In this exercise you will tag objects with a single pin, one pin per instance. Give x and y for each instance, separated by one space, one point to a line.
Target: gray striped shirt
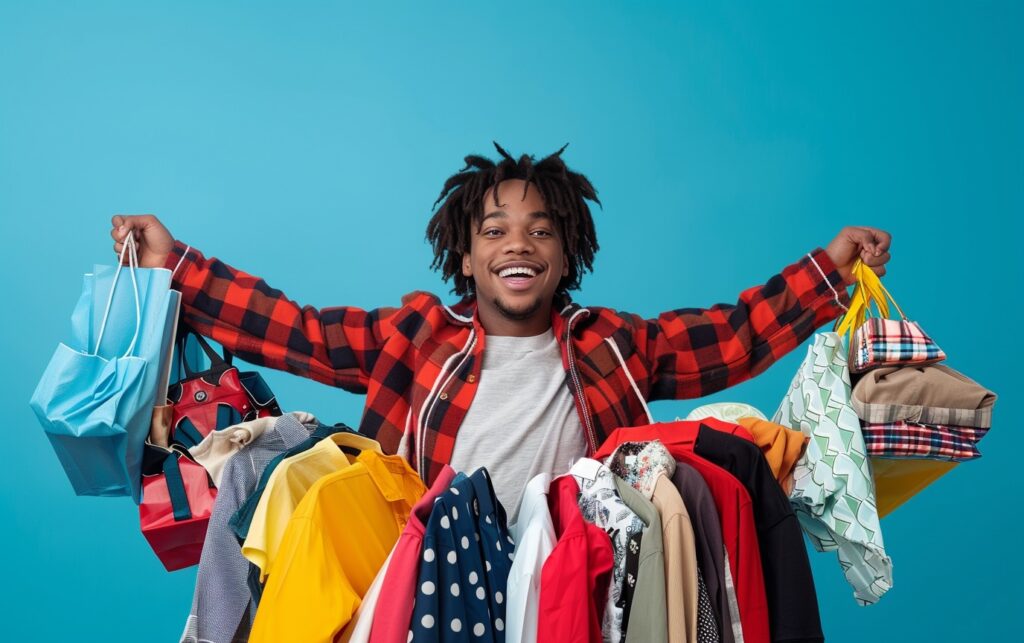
220 605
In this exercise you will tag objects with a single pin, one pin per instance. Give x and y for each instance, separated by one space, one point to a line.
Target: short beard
517 315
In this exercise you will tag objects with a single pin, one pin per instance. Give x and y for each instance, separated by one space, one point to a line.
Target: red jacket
419 364
576 574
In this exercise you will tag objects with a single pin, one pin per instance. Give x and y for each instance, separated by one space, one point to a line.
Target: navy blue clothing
464 567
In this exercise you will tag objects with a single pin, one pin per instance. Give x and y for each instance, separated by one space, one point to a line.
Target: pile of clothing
678 532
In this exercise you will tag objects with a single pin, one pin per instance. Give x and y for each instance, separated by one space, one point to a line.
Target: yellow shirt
289 482
336 541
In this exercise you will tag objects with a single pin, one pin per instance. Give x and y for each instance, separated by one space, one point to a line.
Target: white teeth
517 271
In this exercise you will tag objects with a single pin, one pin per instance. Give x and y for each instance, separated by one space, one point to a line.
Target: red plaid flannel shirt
419 364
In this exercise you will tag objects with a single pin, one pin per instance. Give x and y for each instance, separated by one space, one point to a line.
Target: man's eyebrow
501 214
497 214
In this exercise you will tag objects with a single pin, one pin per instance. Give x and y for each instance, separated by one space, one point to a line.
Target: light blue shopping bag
96 397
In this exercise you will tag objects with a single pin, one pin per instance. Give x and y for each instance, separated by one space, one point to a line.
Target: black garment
792 601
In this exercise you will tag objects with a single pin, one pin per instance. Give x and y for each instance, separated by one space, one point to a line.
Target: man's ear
565 265
467 265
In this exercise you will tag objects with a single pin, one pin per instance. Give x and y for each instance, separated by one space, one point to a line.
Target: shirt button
443 396
471 378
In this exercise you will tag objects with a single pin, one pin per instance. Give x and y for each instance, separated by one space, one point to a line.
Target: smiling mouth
518 277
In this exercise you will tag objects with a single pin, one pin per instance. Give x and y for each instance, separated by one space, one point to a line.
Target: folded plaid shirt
928 441
419 364
887 342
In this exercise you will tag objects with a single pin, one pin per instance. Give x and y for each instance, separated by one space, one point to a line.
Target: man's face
515 257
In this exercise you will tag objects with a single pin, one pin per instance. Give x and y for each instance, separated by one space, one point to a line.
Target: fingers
875 241
873 261
120 234
152 240
883 240
865 240
121 224
874 247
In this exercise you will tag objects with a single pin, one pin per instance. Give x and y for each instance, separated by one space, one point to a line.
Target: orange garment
781 447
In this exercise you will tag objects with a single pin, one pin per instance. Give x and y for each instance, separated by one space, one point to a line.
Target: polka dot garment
707 626
467 554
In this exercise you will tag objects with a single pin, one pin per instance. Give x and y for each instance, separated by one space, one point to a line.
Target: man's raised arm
694 352
257 323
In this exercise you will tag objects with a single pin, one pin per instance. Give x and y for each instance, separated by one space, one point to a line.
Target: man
515 377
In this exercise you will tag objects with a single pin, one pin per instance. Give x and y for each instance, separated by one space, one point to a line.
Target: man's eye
542 233
491 232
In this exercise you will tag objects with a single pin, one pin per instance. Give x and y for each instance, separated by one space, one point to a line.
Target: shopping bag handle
133 264
176 488
869 290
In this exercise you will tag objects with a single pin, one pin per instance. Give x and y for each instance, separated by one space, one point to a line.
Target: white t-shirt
522 421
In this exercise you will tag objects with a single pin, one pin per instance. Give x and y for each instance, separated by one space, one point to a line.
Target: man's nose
518 242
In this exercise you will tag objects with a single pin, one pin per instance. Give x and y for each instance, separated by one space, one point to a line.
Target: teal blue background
306 142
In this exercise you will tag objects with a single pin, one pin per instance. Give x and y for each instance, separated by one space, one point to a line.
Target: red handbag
177 500
216 398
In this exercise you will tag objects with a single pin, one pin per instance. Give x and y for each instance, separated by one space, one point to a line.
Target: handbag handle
186 434
133 264
869 290
176 488
216 361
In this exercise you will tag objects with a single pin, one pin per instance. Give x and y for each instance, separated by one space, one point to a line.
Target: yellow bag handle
869 290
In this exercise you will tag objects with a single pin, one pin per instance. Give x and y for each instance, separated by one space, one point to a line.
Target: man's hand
870 245
152 240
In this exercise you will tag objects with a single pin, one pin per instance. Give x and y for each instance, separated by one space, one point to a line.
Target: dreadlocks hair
565 194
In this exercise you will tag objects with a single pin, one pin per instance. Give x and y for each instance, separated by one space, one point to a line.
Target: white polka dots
409 638
454 490
474 542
